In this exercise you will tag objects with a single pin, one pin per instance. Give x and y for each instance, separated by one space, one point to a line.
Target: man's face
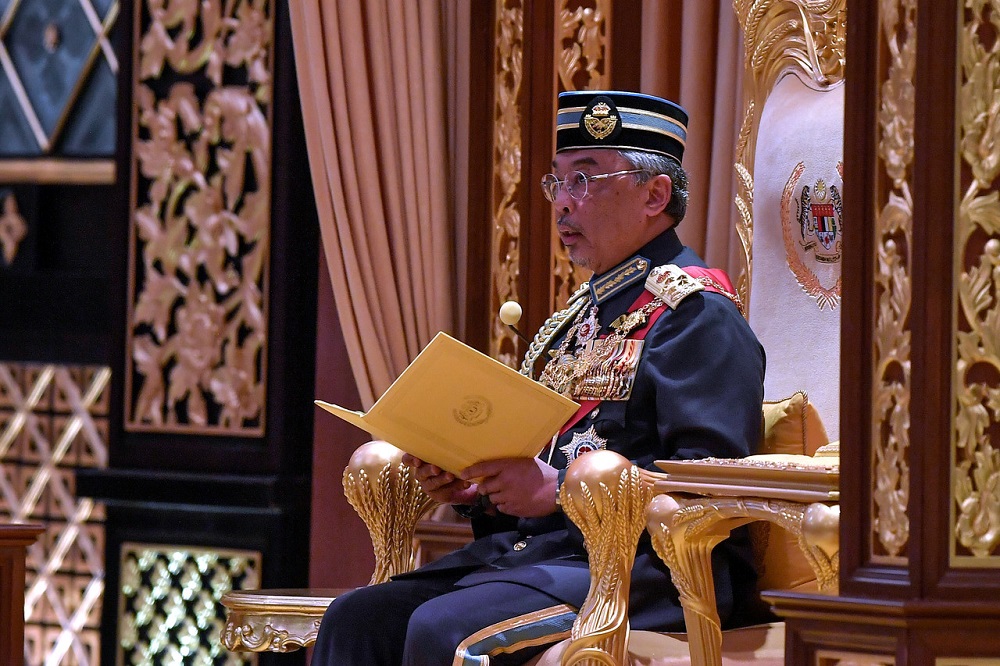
609 224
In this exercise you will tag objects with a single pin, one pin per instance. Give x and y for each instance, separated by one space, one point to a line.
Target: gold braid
552 328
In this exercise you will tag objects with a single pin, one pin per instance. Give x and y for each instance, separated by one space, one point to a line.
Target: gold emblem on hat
600 122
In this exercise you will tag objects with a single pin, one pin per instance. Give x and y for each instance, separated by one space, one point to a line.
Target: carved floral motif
582 49
976 406
201 216
892 288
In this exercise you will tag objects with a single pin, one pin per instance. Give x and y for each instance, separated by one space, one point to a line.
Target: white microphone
510 314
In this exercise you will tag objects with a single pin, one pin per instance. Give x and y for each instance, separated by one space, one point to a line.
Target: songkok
623 120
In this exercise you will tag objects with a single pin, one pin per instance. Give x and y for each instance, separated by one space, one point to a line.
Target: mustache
563 224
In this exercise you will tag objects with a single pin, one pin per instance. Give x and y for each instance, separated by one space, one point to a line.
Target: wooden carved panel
975 519
583 62
505 249
890 429
200 225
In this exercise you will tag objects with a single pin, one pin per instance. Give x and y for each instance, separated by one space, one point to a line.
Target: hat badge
600 122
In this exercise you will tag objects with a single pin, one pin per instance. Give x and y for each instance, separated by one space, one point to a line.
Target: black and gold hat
625 120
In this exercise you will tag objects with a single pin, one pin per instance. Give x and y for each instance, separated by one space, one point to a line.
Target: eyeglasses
575 183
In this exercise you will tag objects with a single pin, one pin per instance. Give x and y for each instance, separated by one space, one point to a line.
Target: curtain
692 53
371 77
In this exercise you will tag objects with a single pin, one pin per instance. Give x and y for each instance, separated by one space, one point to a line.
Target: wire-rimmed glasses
575 183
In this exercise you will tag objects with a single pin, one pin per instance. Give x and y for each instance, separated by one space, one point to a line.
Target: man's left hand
523 487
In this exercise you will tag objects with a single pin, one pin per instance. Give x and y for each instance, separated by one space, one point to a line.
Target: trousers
429 621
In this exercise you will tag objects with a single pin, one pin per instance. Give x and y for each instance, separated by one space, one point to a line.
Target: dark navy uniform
697 392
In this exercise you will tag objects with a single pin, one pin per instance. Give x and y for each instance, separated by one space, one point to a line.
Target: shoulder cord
552 327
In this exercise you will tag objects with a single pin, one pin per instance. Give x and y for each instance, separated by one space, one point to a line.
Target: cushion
792 426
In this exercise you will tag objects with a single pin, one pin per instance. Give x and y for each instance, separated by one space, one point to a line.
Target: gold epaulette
553 327
672 284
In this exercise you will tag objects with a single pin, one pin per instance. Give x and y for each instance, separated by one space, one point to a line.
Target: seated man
680 377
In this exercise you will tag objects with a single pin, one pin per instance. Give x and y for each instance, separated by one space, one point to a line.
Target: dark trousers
421 622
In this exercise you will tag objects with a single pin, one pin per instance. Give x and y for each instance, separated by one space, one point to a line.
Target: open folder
454 406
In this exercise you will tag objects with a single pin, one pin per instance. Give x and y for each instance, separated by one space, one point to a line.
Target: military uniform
697 392
663 372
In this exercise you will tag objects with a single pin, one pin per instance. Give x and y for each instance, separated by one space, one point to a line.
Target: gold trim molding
505 249
200 219
975 406
804 36
892 289
58 171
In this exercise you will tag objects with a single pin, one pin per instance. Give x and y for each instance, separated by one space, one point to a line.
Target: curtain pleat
373 90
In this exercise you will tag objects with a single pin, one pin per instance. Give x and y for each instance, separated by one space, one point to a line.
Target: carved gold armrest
791 493
605 496
390 502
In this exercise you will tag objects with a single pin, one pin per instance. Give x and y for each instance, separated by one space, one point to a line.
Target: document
454 406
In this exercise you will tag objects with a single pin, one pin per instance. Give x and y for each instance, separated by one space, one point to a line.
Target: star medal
583 442
587 329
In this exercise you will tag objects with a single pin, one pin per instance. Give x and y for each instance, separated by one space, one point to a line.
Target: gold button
520 545
593 414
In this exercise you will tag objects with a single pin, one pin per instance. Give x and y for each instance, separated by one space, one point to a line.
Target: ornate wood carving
390 502
976 403
780 35
583 50
200 218
892 288
505 249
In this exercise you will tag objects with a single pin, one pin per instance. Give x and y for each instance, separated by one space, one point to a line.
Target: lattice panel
57 77
170 603
54 419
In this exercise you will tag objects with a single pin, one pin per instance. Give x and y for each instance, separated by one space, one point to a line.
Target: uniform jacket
698 392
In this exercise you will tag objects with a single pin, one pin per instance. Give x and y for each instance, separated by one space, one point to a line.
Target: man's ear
661 189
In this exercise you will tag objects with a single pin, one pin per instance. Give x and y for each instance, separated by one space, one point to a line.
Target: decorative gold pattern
685 530
976 402
606 496
505 249
375 478
892 290
170 603
13 228
273 620
53 420
201 217
583 51
780 35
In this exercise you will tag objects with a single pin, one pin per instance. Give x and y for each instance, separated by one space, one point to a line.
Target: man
680 377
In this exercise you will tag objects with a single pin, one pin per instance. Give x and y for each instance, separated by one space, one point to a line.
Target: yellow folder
454 406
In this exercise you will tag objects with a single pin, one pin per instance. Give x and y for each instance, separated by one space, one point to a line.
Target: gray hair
654 164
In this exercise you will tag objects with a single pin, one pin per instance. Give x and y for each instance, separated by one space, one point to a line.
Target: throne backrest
790 167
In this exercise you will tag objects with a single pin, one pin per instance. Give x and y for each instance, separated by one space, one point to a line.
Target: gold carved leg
688 553
605 495
390 501
820 541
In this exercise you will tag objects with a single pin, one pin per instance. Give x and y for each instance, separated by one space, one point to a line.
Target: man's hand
440 485
523 487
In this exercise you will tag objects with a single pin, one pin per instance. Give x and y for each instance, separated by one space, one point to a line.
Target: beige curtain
371 76
705 36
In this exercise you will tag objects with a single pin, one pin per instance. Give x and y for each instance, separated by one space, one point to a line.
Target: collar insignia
619 278
583 442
